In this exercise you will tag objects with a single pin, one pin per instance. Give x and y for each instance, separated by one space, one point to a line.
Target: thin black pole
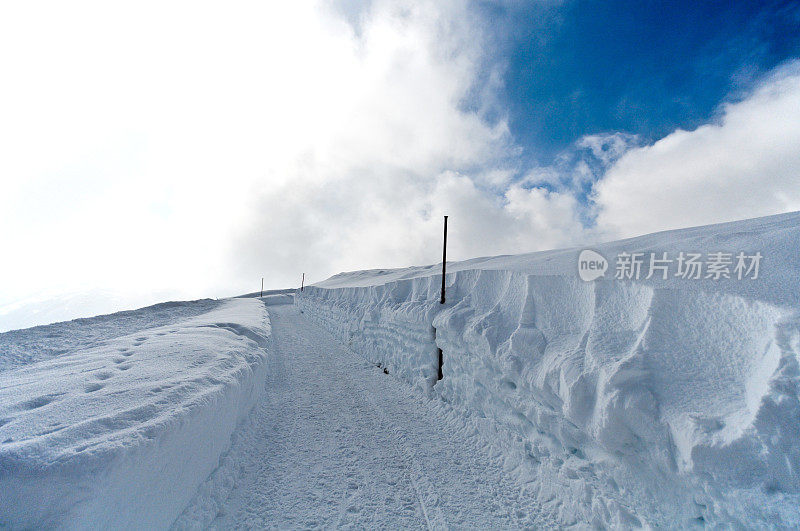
262 286
444 258
439 374
302 282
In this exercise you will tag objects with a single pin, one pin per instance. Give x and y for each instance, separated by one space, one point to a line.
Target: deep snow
335 442
608 403
29 345
672 400
120 433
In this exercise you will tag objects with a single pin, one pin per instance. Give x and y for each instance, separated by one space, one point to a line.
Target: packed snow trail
336 442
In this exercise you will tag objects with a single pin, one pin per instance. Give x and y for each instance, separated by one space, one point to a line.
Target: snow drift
108 430
634 402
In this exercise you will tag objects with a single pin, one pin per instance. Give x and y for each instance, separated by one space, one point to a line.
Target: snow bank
279 299
661 402
120 434
29 345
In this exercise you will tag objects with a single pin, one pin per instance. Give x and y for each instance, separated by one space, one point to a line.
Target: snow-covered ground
335 442
674 400
29 345
612 403
113 422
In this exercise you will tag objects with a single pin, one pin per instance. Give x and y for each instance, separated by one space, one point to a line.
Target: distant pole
444 258
302 282
262 286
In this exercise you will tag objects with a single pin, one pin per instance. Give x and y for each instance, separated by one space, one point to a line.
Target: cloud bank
373 191
745 165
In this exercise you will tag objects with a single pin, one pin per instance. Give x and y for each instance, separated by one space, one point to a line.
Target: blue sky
641 67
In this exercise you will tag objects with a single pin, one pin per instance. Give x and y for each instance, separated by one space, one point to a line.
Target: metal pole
439 374
262 286
444 258
302 282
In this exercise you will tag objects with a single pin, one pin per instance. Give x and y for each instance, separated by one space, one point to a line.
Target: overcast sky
157 150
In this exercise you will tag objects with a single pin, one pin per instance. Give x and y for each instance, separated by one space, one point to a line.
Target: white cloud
132 135
607 147
187 147
746 165
583 163
372 193
360 222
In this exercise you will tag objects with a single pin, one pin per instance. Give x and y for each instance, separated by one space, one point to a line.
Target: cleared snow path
336 442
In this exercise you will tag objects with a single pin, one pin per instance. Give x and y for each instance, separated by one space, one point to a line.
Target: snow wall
129 450
664 403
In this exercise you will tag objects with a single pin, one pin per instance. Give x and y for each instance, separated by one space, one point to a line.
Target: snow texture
125 415
663 403
336 443
652 402
22 347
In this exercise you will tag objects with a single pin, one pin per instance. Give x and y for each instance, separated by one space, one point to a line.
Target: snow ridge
643 403
128 420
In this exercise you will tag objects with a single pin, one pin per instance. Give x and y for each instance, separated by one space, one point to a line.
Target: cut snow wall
690 395
390 324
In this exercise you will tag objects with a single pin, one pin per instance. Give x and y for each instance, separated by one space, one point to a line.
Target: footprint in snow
51 429
91 388
103 375
39 401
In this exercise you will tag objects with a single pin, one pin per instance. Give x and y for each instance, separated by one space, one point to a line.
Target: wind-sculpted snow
652 402
120 434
